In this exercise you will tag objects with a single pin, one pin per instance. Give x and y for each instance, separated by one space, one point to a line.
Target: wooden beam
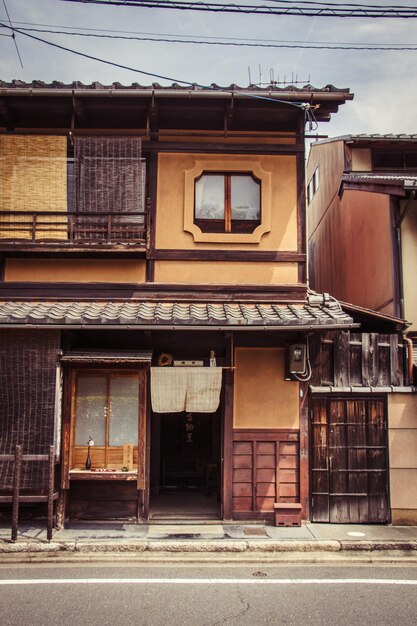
151 221
262 256
80 118
227 453
6 117
304 450
226 148
21 291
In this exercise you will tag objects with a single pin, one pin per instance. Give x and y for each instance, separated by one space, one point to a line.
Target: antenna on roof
276 82
13 35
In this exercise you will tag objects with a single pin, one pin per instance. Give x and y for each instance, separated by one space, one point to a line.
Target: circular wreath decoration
165 359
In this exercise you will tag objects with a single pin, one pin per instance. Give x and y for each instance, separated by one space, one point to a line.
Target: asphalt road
140 594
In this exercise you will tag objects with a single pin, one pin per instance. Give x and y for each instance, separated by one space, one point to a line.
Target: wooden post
228 445
16 490
304 451
51 482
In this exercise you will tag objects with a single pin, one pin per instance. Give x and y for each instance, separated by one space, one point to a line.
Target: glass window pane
124 410
91 410
387 159
209 197
411 159
246 200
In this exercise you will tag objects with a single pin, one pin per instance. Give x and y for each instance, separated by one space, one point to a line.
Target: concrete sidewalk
199 541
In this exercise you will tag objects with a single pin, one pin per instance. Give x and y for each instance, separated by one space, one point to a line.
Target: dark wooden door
349 461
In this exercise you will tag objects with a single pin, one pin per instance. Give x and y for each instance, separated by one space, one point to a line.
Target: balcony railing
73 229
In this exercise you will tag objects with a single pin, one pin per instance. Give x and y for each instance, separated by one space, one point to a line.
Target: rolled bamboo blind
33 175
109 174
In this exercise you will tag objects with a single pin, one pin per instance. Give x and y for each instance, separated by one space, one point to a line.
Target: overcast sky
383 82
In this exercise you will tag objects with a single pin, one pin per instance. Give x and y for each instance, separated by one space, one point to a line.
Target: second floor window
227 202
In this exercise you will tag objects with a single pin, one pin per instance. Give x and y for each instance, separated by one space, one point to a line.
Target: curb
205 547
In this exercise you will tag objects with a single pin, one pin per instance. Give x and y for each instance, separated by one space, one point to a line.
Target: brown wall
75 270
262 398
402 424
170 233
361 160
331 158
351 251
409 261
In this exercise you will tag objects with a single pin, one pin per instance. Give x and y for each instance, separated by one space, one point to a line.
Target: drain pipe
410 363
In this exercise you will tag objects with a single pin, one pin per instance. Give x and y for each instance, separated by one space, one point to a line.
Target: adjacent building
362 217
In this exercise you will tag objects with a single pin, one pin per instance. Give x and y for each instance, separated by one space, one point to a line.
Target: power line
336 10
13 37
301 105
284 44
217 38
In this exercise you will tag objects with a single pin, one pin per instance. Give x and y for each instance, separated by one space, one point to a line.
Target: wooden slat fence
346 359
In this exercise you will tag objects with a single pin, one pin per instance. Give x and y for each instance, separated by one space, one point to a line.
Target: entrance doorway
185 466
349 461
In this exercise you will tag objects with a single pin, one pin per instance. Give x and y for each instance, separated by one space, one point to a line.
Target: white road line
207 581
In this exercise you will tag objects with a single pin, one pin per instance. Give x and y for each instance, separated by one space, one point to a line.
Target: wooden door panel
349 464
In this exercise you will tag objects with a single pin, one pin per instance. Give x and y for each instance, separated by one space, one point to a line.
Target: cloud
382 82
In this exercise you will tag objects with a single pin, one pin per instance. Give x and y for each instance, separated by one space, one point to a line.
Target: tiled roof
388 177
386 137
371 138
170 314
39 84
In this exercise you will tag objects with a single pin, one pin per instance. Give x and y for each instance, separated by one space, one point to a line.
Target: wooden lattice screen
109 176
27 402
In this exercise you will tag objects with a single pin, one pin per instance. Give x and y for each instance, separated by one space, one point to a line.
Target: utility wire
289 44
301 105
13 36
140 34
299 11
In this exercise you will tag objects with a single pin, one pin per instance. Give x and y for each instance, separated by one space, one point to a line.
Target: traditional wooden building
362 216
157 332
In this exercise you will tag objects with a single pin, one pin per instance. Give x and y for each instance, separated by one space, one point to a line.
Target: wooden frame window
394 159
108 406
227 202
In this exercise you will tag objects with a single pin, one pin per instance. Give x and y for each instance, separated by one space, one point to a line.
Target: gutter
178 327
302 96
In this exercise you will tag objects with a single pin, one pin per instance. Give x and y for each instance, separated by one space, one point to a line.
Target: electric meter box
297 358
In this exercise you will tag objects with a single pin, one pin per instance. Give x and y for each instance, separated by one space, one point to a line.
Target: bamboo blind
109 174
33 175
27 401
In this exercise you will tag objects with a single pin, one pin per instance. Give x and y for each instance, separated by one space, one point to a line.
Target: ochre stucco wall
409 260
262 398
170 233
226 272
75 270
402 425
